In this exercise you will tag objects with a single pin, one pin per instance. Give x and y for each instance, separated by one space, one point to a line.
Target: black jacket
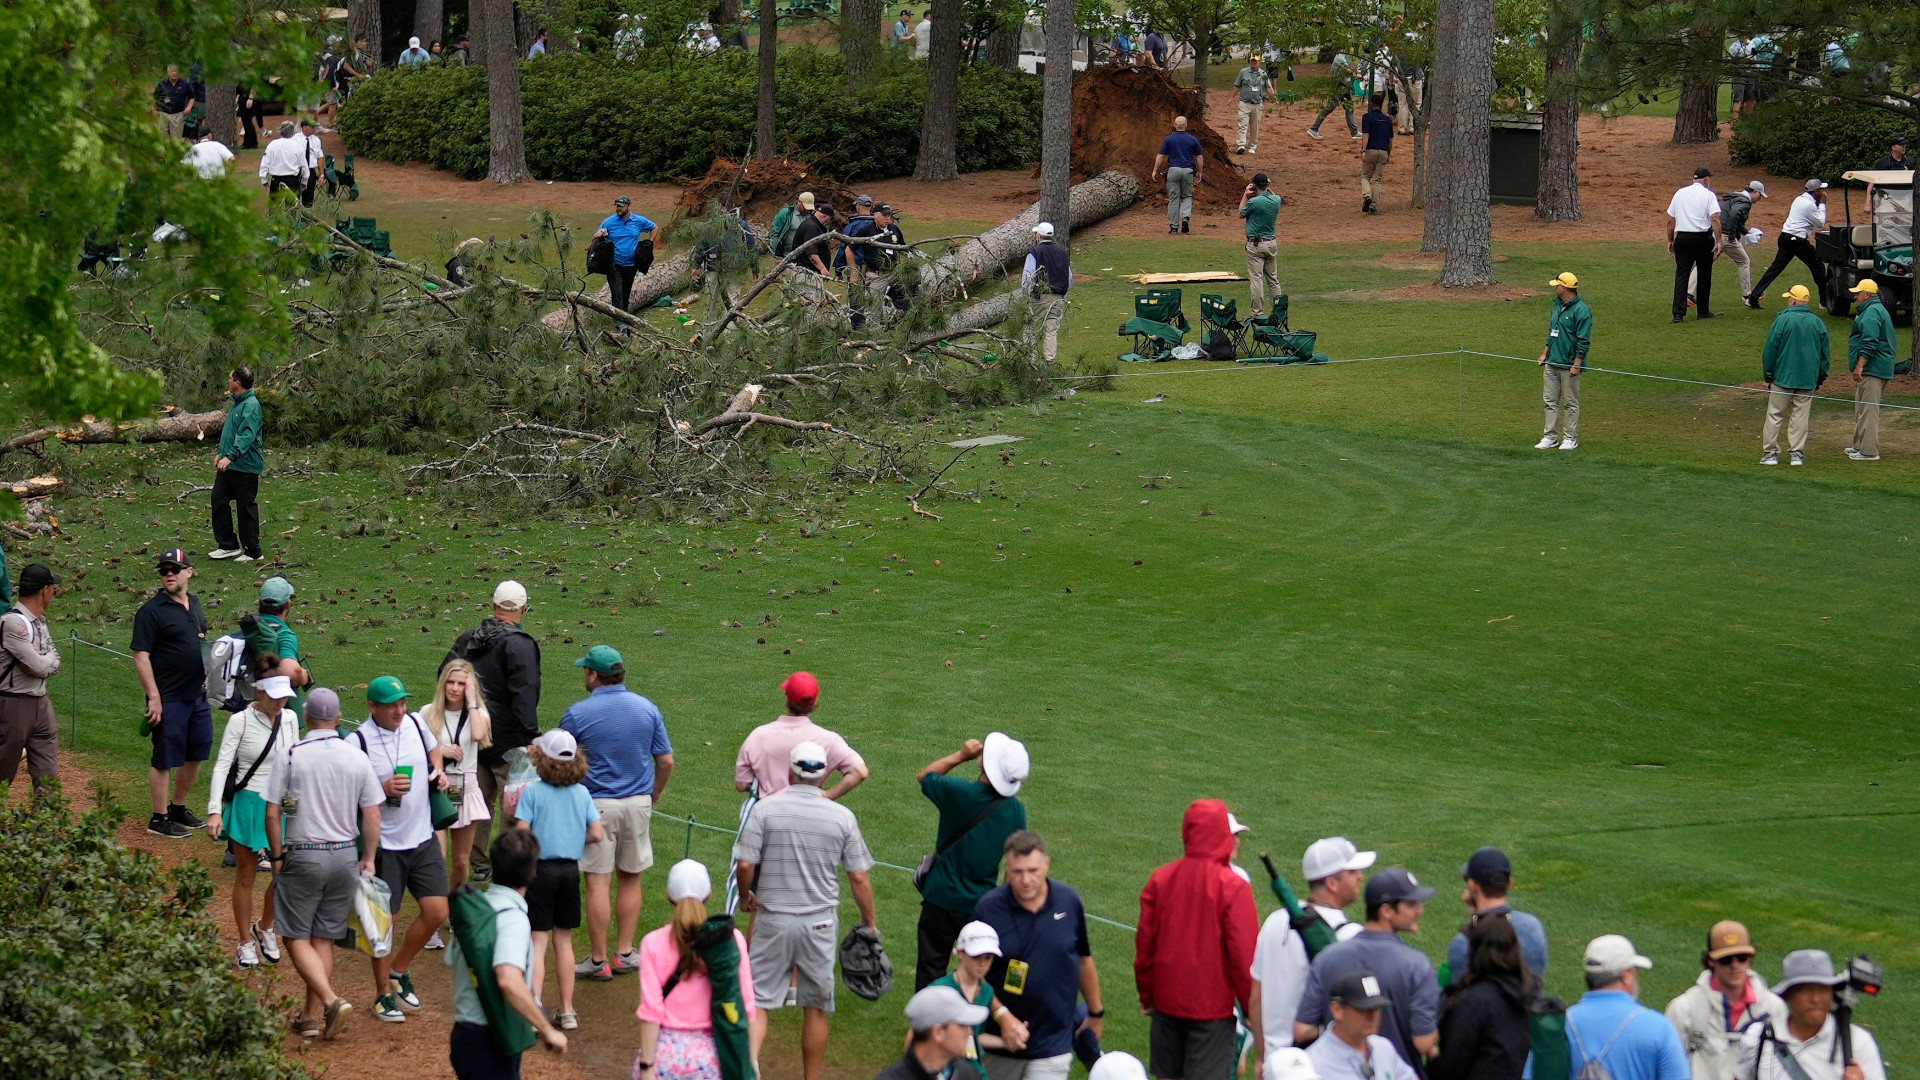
1733 223
507 659
1484 1032
907 1067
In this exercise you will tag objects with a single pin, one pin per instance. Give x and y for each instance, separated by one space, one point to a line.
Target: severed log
178 427
34 487
666 277
1006 245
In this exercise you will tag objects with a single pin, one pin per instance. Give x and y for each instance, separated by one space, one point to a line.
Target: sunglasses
1729 961
170 571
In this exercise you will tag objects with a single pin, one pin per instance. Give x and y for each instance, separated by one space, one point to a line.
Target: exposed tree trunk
1560 132
1088 202
1698 119
1003 47
363 20
33 487
939 127
1442 95
177 427
860 39
1056 117
769 50
729 14
1467 224
223 114
507 153
1201 36
477 31
429 21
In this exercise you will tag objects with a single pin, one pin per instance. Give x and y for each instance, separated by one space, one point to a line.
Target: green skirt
244 821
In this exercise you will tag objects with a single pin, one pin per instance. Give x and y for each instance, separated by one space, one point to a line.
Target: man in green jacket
1569 333
1795 365
236 478
1870 353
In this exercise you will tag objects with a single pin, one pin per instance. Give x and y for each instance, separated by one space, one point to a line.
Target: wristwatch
1096 1014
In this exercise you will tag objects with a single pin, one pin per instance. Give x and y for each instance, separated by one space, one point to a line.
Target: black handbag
233 787
600 256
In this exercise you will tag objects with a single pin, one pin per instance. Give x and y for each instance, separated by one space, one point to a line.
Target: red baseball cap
802 689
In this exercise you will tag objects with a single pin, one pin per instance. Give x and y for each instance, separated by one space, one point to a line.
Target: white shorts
629 842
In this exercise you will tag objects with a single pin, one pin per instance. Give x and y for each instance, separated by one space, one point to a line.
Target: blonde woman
676 995
458 718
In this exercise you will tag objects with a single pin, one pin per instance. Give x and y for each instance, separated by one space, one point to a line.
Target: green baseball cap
276 590
386 690
603 659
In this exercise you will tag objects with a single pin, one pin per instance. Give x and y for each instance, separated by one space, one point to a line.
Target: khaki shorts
801 944
629 842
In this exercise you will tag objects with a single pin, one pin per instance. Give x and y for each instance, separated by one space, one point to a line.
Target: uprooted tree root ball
1120 115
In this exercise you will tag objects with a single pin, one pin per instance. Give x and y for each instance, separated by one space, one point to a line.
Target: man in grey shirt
790 854
1395 903
1253 85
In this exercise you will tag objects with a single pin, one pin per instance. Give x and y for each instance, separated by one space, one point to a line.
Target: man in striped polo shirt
790 854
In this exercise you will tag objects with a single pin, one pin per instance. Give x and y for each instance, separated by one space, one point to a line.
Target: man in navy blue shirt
1183 160
1155 53
1045 965
1376 149
632 237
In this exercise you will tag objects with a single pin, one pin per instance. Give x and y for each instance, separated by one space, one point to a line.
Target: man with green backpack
1334 870
495 1017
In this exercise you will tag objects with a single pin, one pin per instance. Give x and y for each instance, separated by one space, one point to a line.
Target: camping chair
1220 315
1157 326
1271 341
341 177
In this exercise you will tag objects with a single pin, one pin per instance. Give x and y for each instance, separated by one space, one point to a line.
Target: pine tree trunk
939 130
860 39
1003 47
429 21
1200 38
1422 127
477 31
507 153
363 21
1467 224
1560 132
1442 94
223 115
1698 120
1056 118
769 49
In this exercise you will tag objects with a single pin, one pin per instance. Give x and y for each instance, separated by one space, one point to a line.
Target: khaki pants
1250 114
1049 308
1560 391
1866 415
1179 195
1735 252
1796 407
28 729
493 779
1373 173
174 124
1263 273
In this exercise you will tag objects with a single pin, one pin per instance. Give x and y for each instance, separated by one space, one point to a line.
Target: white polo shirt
330 783
1280 967
407 826
1805 217
1693 208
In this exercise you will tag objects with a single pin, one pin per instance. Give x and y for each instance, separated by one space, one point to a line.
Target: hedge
1806 138
591 117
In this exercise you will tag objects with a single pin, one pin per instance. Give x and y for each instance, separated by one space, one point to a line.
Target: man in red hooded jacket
1193 957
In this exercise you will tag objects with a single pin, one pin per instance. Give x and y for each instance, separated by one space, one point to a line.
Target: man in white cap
1334 870
1609 1025
942 1023
414 54
1804 1044
976 817
790 854
506 659
1045 280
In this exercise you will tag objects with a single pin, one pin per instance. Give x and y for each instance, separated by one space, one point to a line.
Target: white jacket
1700 1016
1819 1056
242 741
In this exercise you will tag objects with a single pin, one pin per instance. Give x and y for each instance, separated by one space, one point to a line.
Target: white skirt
473 803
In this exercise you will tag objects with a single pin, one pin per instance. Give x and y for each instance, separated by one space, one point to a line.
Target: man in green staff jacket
236 479
1795 365
1870 354
1569 333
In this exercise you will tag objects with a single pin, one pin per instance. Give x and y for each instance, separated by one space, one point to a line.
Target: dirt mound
1120 115
763 188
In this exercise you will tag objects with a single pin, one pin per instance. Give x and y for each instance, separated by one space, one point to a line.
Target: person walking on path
1727 998
1194 952
471 1050
173 100
1794 365
1569 335
903 32
1870 349
1805 1039
168 632
1260 207
1485 1030
1341 97
1376 152
1693 239
764 765
460 723
976 949
791 852
1046 967
1354 1049
406 761
323 802
1489 877
1182 160
1396 901
1253 84
562 816
976 817
629 759
506 660
237 806
237 468
1807 216
28 658
676 987
1334 870
632 237
1609 1026
1735 209
1046 278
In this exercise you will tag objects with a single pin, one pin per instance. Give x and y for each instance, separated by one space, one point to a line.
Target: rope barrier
1689 382
1247 367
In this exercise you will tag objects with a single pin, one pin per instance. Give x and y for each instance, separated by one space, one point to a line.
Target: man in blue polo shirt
1045 967
628 762
1608 1023
1395 903
632 237
1182 160
1376 150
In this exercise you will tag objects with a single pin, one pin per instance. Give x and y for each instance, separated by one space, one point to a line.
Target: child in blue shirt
562 815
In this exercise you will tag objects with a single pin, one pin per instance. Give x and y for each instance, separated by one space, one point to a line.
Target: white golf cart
1879 246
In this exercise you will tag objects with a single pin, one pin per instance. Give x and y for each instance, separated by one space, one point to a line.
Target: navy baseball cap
1395 884
176 557
1488 866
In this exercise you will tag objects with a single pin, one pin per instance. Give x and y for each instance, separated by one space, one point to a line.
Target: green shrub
1803 138
110 965
591 117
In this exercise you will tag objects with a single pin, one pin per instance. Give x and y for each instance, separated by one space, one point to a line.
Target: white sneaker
1569 444
434 943
1253 149
269 943
1547 442
1771 457
1795 458
1314 133
1858 456
243 557
224 553
247 956
1239 149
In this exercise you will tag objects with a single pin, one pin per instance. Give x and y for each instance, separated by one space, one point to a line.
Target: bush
591 117
110 965
1804 138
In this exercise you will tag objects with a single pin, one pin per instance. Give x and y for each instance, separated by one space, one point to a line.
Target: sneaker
1356 136
387 1009
1173 230
308 1027
263 864
627 962
162 825
246 955
1708 315
1569 444
1253 149
434 942
597 970
400 985
1851 450
1796 458
269 943
1547 442
246 558
482 875
223 553
1239 149
186 818
1314 134
1752 302
1186 225
567 1021
336 1017
1858 456
228 860
1770 458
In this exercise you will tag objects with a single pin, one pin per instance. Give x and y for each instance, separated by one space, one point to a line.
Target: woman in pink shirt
676 999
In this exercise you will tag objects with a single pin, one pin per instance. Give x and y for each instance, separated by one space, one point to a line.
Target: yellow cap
1798 292
1567 280
1866 285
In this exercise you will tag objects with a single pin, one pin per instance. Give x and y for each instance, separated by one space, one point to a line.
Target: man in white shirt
208 157
1804 1044
1334 872
1807 216
284 162
1354 1049
316 157
414 54
923 35
1693 239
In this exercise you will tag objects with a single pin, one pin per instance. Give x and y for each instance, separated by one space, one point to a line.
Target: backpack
782 231
475 928
600 256
1547 1035
1219 346
230 673
1595 1067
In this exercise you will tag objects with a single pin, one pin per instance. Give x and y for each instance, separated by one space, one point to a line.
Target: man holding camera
1807 1043
1728 998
